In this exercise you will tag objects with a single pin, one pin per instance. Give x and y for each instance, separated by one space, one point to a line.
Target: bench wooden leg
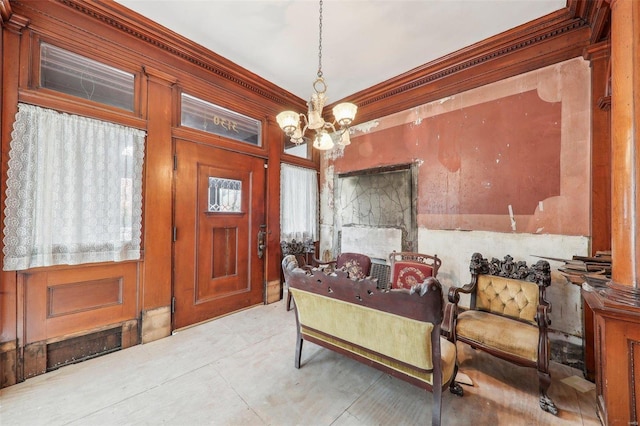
546 403
288 306
298 352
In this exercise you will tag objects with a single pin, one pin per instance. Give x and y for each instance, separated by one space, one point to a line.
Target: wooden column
157 272
616 308
599 56
272 264
625 119
12 27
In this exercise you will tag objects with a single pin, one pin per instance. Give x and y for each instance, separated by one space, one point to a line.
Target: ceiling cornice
118 16
5 10
480 56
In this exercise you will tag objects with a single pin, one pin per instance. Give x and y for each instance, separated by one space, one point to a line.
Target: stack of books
595 270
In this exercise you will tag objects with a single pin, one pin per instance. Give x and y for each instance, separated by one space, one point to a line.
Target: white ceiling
363 42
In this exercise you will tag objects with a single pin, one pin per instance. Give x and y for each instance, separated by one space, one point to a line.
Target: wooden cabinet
616 345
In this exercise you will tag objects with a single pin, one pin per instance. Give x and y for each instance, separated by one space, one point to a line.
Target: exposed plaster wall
502 169
456 247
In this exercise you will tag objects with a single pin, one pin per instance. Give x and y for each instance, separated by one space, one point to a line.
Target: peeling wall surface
369 204
509 162
456 247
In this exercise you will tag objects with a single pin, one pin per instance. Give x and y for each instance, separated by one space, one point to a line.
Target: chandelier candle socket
326 133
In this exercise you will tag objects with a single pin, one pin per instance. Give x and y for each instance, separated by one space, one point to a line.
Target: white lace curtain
74 190
298 203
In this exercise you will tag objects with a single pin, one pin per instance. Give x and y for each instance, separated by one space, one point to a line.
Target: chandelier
326 133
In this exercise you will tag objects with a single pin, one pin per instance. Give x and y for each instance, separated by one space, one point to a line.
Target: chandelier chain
327 133
320 43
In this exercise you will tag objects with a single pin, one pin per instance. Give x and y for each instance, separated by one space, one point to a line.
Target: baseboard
567 350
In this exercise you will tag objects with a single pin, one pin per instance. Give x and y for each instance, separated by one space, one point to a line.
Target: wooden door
219 207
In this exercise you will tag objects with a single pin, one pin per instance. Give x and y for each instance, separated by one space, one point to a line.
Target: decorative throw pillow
406 275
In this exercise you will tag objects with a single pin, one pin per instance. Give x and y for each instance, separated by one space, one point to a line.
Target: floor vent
77 349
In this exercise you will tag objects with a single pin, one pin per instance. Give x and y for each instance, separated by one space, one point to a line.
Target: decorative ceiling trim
5 10
117 16
465 59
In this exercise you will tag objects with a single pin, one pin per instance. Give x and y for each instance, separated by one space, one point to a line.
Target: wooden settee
396 331
507 315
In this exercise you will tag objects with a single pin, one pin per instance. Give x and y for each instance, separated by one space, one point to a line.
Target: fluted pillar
625 145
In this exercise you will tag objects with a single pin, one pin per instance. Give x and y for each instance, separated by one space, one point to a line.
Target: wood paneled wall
42 307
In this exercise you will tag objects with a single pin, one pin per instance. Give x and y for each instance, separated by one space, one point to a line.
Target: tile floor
238 370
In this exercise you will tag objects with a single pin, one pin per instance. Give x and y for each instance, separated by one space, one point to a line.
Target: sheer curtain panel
74 190
298 203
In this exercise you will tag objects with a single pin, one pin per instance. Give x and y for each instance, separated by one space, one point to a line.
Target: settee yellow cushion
505 334
401 343
515 298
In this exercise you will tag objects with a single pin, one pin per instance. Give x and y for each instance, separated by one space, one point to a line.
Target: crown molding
127 21
551 39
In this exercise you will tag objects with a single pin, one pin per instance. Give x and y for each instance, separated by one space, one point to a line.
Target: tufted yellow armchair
507 315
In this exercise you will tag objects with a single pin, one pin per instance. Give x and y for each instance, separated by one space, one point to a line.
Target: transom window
205 116
75 75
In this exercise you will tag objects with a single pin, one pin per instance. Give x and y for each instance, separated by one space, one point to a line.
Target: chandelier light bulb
344 113
345 139
323 141
288 121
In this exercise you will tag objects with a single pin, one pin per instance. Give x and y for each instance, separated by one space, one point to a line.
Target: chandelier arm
306 122
328 125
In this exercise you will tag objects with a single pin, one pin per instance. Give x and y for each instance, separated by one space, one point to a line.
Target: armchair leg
454 387
288 305
546 403
437 407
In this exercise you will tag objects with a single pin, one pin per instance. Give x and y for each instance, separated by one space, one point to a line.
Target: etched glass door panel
225 195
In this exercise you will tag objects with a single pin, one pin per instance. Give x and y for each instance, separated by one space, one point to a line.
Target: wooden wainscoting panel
65 302
72 298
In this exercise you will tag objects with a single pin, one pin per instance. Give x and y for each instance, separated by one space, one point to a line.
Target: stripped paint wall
502 169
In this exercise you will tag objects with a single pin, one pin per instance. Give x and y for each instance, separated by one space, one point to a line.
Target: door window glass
225 195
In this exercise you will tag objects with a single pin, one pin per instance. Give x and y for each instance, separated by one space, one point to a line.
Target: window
76 75
302 150
225 195
210 118
74 190
298 203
